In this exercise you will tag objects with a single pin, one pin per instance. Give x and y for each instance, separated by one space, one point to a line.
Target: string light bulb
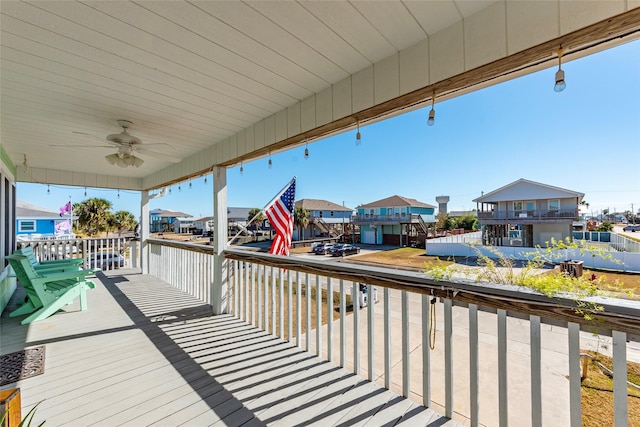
190 186
306 150
270 162
358 136
85 191
432 113
205 180
48 189
560 83
118 193
241 167
179 188
169 190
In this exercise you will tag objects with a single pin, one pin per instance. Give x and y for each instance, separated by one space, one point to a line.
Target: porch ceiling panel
209 82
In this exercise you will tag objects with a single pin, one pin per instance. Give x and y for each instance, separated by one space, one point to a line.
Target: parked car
344 250
323 249
106 260
632 228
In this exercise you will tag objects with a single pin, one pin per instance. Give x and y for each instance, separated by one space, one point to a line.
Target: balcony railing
395 218
523 215
486 353
52 249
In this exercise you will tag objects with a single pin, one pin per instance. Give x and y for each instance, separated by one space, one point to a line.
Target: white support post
143 254
318 317
343 325
355 301
448 358
574 375
219 285
329 320
298 310
406 351
620 393
502 368
536 371
387 340
370 333
474 389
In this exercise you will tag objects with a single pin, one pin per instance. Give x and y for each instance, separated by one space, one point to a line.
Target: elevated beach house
394 220
527 213
325 218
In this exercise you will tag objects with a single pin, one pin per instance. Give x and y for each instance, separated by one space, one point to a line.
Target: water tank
442 204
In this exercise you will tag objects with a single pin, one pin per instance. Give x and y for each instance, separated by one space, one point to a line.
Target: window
331 213
517 206
530 206
26 225
554 205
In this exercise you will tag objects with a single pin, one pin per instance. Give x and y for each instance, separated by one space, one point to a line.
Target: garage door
369 237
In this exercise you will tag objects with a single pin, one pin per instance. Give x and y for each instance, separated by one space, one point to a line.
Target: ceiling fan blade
156 155
81 146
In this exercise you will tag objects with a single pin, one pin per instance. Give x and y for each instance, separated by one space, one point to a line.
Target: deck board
145 353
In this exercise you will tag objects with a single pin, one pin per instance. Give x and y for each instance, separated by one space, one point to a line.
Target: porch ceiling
191 76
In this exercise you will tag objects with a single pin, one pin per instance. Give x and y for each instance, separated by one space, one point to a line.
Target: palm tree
259 218
124 221
301 219
93 215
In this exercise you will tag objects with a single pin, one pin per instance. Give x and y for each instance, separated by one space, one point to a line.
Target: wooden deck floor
147 354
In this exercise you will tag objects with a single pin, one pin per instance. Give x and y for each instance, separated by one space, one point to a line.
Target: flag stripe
280 215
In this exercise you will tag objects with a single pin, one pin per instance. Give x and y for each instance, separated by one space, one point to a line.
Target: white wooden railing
490 354
51 249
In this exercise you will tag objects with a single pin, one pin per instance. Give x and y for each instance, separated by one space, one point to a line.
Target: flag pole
265 206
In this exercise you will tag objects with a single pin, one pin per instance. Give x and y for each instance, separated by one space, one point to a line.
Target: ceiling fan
127 147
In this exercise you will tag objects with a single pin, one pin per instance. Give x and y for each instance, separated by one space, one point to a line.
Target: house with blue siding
395 220
161 221
326 219
35 222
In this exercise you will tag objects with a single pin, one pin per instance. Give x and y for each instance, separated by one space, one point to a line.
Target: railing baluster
370 333
265 283
356 327
318 316
289 307
502 368
343 325
426 350
620 404
387 340
473 365
574 375
329 320
308 324
536 371
236 289
406 376
274 324
448 359
298 310
254 302
259 302
281 304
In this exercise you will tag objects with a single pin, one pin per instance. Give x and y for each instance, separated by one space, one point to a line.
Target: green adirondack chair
51 266
48 293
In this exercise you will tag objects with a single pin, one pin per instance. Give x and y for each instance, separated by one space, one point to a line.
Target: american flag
280 215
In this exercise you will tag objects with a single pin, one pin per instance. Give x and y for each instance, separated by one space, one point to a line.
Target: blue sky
586 139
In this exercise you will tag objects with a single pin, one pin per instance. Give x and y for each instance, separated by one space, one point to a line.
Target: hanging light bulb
190 185
358 136
85 191
432 113
560 83
118 193
48 189
270 162
241 168
179 188
169 190
205 179
306 150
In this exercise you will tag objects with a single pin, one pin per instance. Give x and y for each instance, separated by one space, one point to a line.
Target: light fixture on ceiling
270 162
560 83
241 167
432 113
358 136
85 191
24 164
306 150
205 180
48 189
190 186
124 158
179 188
169 190
118 193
